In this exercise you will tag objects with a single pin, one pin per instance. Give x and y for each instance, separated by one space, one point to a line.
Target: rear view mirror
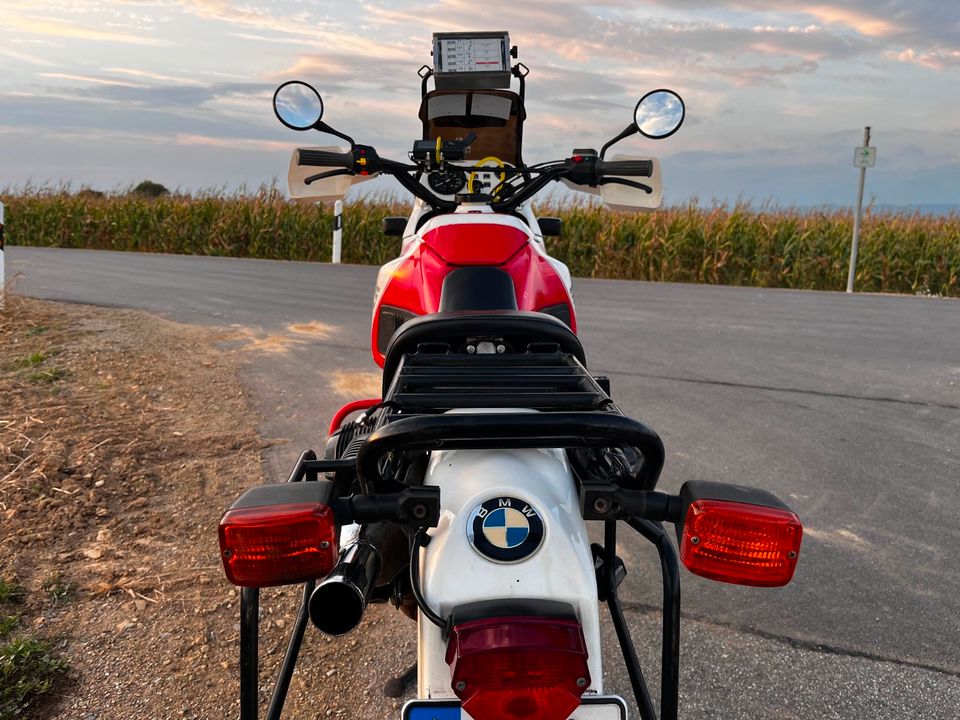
550 227
394 226
738 534
298 105
659 114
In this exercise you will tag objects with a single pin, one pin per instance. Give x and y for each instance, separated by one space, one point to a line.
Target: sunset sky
105 93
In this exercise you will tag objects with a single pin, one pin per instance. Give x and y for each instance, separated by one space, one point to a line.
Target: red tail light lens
519 667
278 544
740 543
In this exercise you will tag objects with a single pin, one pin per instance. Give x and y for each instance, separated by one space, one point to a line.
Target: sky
105 93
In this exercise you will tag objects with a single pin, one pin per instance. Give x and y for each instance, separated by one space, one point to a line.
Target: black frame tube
249 652
670 648
640 691
512 430
290 657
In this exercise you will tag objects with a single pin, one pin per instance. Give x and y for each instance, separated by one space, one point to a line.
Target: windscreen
495 116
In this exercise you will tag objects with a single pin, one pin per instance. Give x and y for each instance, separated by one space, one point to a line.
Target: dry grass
738 245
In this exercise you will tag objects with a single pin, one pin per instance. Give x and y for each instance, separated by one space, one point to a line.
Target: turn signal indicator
741 543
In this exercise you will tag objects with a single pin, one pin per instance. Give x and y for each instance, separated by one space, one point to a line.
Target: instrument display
466 54
471 60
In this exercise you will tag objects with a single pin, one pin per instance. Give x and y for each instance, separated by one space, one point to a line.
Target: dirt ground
123 437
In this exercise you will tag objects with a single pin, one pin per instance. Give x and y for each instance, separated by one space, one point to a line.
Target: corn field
728 245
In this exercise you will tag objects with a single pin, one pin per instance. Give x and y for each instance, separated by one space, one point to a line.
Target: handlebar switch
582 169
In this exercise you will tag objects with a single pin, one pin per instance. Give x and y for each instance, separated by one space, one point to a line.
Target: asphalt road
848 407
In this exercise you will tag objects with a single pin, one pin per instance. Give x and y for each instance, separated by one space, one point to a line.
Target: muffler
337 604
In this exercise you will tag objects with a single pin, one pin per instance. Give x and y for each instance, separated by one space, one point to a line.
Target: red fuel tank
414 288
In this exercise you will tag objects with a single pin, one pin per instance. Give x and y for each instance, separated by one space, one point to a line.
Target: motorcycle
462 494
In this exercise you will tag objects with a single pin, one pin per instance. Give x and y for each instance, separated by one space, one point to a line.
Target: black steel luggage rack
574 408
542 379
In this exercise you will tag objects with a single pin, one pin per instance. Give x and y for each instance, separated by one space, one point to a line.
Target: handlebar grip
626 168
321 158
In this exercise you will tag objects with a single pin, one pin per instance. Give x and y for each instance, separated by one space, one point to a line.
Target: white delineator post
337 229
863 157
3 272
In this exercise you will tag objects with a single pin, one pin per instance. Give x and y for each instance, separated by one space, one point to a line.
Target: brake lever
630 183
325 175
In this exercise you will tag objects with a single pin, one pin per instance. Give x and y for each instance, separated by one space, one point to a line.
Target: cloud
64 29
147 75
931 59
25 57
89 79
862 21
767 74
300 23
233 143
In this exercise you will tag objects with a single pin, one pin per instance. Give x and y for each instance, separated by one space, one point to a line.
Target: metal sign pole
337 229
856 218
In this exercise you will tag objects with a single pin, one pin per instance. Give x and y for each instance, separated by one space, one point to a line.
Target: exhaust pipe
337 603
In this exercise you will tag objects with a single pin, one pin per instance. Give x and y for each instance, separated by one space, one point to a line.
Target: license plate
602 707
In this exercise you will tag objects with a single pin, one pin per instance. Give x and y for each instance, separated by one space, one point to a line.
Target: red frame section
351 407
417 281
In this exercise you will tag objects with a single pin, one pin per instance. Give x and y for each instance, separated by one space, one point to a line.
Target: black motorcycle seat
515 328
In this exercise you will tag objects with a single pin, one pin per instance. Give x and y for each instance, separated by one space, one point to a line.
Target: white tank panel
457 574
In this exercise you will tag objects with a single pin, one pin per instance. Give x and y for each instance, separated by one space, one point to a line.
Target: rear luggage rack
573 409
429 382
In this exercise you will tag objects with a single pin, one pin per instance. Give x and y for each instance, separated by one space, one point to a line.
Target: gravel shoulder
123 436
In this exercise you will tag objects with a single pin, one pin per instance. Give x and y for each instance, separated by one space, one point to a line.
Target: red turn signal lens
518 667
740 543
280 544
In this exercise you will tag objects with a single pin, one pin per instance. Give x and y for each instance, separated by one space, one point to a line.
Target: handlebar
579 169
321 158
626 168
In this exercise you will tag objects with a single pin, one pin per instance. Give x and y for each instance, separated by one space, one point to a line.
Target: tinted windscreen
495 117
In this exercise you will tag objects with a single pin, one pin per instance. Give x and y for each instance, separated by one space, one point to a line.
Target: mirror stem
323 127
627 132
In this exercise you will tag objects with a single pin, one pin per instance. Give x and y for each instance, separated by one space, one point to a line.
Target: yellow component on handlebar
503 175
439 146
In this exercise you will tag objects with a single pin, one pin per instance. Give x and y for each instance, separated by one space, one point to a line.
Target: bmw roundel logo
505 529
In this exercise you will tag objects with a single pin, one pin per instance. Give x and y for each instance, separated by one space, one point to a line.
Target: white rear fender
454 572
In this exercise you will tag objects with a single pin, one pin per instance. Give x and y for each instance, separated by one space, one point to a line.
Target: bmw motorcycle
492 444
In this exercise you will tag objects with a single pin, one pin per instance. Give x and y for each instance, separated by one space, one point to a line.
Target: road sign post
863 157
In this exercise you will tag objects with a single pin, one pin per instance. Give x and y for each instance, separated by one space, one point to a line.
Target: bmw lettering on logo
505 529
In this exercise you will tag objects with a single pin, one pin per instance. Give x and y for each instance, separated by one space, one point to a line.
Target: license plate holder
597 707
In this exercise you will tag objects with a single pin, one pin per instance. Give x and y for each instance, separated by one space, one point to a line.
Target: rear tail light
741 543
518 667
266 540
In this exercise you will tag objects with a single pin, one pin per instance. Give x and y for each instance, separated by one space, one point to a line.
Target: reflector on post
518 667
279 535
738 535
